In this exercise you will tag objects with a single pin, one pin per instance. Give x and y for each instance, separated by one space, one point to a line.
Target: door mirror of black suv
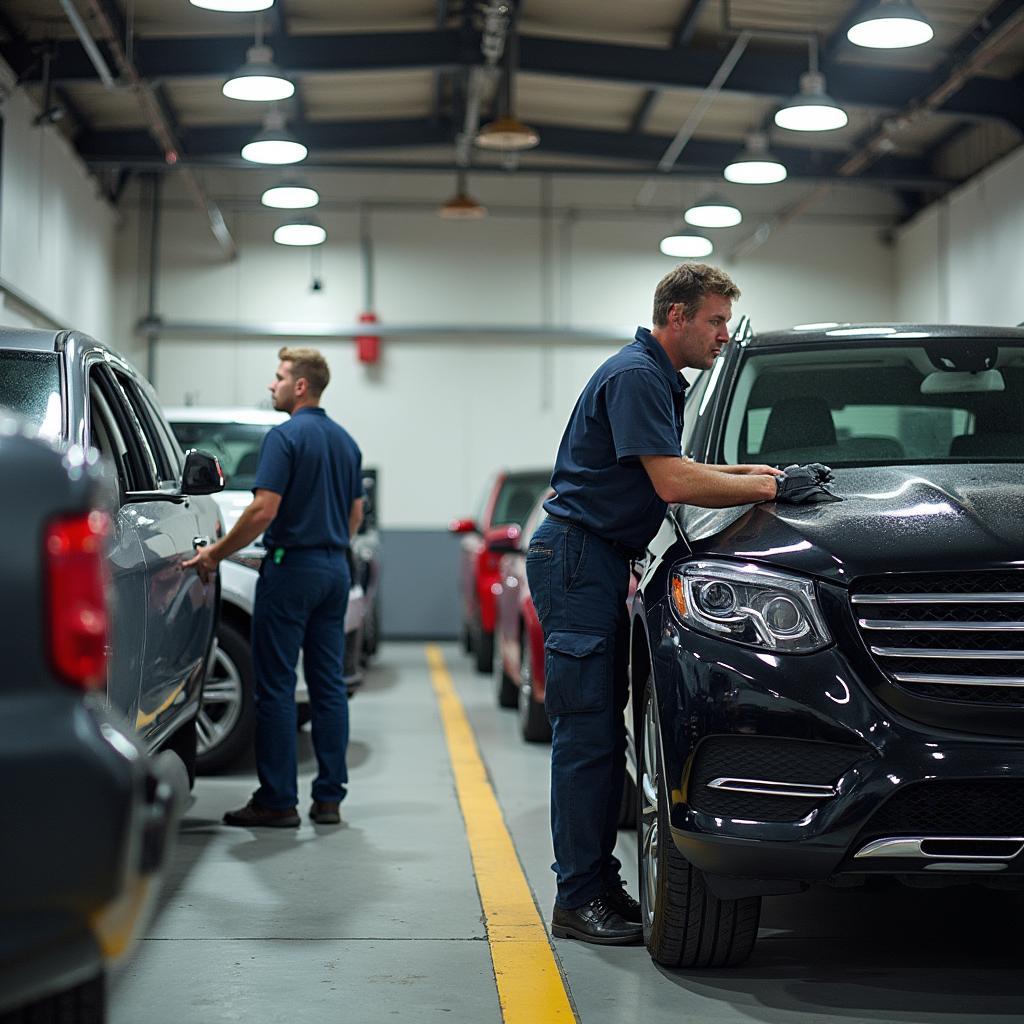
202 474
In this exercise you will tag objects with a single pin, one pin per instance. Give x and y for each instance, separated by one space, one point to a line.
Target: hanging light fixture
755 165
811 109
461 206
259 78
274 144
890 25
686 247
290 195
712 212
302 231
506 133
233 6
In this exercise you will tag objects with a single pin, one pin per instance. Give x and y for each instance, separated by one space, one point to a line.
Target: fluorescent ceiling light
233 6
258 79
290 197
713 213
507 133
755 165
811 109
687 246
305 232
890 25
274 144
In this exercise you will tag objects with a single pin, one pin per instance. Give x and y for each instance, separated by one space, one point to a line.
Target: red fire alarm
368 345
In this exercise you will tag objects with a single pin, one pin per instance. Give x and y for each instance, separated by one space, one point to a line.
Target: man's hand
205 562
745 470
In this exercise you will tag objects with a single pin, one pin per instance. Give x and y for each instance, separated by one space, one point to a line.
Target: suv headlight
750 605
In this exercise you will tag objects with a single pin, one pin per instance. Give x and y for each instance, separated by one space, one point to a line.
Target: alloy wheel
222 702
649 785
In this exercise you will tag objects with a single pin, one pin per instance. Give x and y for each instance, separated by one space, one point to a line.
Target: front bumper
732 716
96 818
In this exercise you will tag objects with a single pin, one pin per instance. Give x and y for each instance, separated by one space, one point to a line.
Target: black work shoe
325 812
253 815
597 922
623 904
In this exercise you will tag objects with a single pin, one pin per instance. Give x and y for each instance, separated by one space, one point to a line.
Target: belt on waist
616 545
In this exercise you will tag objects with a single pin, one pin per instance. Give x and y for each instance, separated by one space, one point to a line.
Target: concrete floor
379 920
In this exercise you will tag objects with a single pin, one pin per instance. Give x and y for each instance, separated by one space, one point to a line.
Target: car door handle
200 542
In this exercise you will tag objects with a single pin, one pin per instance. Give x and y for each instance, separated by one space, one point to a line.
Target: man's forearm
251 523
694 483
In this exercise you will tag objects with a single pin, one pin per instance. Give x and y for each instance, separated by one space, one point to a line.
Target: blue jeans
300 604
579 584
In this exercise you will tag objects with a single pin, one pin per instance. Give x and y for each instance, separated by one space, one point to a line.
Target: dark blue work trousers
579 584
300 605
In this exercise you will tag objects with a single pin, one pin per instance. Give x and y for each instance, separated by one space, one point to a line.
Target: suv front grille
944 636
981 807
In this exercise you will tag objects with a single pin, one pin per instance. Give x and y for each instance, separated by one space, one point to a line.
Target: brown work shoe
325 812
253 815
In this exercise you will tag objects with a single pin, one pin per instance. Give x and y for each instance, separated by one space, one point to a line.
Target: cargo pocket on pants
577 672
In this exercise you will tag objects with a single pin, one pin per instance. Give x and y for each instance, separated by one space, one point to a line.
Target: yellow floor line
530 985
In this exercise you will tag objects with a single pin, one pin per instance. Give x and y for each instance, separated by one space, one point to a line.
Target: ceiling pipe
882 141
159 125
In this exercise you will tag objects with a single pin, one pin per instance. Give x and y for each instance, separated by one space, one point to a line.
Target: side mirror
504 540
462 526
202 474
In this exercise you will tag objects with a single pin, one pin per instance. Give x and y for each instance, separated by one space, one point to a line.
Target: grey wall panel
419 586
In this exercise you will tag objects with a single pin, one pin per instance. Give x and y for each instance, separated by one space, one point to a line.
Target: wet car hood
892 519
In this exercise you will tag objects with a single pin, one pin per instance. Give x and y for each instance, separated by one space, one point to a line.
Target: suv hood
892 519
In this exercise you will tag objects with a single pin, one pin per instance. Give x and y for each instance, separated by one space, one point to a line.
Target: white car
227 719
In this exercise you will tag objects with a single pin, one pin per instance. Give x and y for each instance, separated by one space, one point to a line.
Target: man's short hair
310 364
688 285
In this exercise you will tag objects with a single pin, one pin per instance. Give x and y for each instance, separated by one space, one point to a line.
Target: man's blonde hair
309 364
688 285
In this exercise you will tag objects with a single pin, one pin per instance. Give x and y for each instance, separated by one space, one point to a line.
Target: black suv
834 691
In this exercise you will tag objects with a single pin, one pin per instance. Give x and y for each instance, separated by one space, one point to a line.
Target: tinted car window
136 460
30 385
516 498
236 445
866 405
693 396
146 416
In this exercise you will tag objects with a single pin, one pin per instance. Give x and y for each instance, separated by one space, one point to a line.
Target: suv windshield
236 445
517 496
879 403
30 385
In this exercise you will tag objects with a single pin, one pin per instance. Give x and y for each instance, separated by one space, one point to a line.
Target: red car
507 502
519 650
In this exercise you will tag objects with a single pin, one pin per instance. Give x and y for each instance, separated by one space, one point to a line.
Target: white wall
56 233
442 411
962 259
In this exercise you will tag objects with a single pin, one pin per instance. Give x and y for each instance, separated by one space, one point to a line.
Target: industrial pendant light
755 165
811 109
506 133
259 78
890 25
687 247
712 212
290 195
301 231
233 6
461 206
274 144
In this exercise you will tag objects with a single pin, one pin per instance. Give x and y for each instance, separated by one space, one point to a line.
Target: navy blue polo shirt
632 406
316 467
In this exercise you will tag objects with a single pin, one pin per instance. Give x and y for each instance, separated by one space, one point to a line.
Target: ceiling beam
769 75
706 157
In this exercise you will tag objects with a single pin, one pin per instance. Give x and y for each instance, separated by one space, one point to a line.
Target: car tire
183 744
504 688
227 719
484 649
371 633
533 719
467 640
685 924
83 1004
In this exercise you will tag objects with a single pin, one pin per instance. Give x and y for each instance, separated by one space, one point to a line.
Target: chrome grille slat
948 636
999 598
966 655
924 626
944 680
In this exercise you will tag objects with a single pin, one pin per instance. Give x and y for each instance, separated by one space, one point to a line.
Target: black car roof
831 334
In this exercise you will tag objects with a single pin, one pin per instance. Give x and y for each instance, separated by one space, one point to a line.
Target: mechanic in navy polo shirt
308 498
618 465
